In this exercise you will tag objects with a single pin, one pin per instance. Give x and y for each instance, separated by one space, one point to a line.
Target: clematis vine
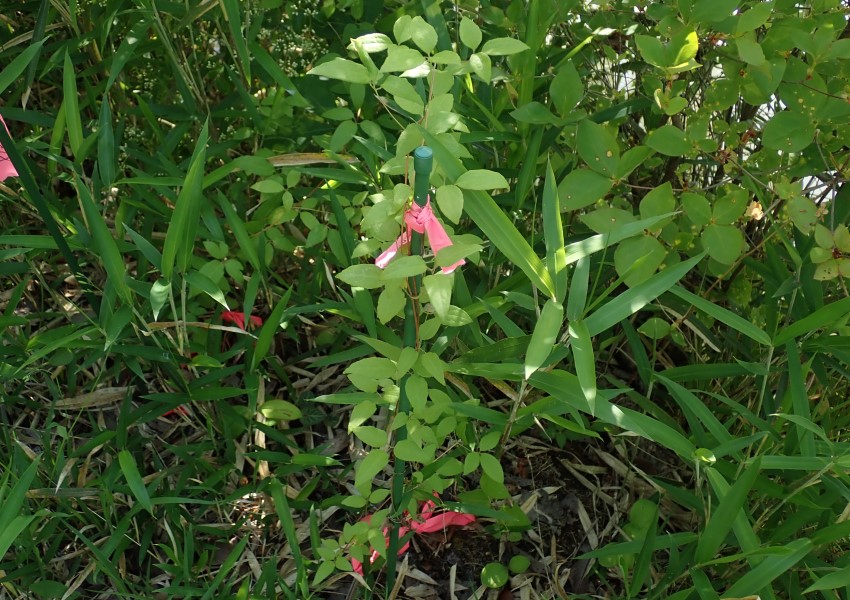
430 521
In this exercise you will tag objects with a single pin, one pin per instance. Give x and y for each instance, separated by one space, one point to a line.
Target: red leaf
238 318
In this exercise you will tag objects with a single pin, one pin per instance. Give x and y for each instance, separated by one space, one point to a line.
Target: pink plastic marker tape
420 219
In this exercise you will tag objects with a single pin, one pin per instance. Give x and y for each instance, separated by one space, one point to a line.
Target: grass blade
106 159
264 340
233 15
578 250
134 479
553 234
770 568
14 69
577 300
246 245
799 398
690 403
723 315
72 107
104 243
180 237
582 347
632 300
545 334
830 314
566 388
728 510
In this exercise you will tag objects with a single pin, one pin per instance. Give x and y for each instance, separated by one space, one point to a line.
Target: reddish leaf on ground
238 318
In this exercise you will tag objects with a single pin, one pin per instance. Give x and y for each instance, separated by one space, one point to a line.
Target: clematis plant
7 169
430 521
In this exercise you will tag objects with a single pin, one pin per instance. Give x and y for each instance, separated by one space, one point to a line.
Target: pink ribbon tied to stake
7 169
420 219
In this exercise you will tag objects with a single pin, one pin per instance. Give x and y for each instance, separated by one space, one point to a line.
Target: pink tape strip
7 169
420 219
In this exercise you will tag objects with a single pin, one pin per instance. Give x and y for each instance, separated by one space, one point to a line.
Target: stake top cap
423 159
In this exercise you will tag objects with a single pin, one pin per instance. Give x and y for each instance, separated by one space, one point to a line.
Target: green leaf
637 259
608 220
450 202
403 267
106 158
104 244
830 315
566 89
723 243
683 48
342 69
205 284
651 50
423 34
750 51
134 479
773 566
17 66
481 66
697 208
432 364
401 58
546 332
753 18
659 201
494 575
280 410
723 315
714 11
367 469
582 347
366 276
371 436
180 237
72 106
577 298
439 288
730 207
788 131
268 330
503 46
481 179
565 388
160 292
553 234
535 114
390 303
598 147
372 43
470 34
491 467
668 140
724 515
831 581
631 301
247 245
13 503
583 187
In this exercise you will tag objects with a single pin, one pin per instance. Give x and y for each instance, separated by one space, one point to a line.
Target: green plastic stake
423 162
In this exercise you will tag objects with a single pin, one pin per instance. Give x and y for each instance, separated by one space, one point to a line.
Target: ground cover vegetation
634 387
